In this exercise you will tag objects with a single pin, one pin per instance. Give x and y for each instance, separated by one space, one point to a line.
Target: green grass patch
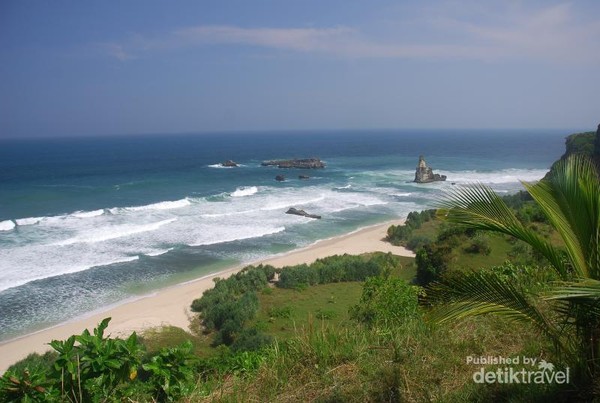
285 310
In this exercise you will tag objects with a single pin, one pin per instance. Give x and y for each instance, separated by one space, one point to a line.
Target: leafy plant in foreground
172 372
92 369
570 200
25 387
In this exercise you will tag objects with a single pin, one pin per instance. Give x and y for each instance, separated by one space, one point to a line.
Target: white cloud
549 34
117 51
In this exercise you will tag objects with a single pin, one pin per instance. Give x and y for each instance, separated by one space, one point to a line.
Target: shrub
386 302
335 269
417 242
171 372
97 365
27 386
251 340
280 312
479 245
432 262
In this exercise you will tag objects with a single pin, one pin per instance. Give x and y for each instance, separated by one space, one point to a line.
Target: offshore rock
295 211
305 163
229 164
424 174
280 178
303 177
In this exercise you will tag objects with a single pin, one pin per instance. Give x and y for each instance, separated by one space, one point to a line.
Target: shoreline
170 306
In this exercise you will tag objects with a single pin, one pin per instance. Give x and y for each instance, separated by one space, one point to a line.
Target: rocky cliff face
424 174
587 143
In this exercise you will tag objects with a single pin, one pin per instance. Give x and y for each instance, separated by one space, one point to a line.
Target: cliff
587 143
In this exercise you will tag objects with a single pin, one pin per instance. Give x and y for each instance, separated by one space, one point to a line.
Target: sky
82 68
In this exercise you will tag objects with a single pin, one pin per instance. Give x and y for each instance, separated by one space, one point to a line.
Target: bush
27 386
251 340
280 312
335 269
171 372
233 301
479 245
96 366
386 302
432 262
417 242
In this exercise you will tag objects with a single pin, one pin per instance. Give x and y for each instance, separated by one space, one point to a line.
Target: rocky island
305 163
424 174
229 164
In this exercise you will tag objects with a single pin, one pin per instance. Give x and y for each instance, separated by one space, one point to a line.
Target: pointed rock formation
424 174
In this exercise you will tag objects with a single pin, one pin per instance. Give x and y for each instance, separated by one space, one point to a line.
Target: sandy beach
170 306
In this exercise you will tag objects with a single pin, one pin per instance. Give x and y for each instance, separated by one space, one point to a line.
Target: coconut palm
570 199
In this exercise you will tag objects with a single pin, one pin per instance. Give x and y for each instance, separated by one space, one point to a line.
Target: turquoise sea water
85 223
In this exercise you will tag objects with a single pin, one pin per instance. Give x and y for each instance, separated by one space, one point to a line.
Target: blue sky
72 68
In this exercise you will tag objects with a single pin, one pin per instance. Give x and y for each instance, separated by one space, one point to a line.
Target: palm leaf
570 199
589 289
484 292
479 207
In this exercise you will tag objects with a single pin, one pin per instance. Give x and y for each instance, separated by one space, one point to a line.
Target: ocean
86 223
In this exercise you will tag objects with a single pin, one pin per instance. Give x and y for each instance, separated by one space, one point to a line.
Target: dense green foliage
336 269
586 144
227 306
570 200
401 234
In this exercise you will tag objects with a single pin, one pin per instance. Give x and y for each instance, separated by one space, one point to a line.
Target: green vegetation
231 303
566 311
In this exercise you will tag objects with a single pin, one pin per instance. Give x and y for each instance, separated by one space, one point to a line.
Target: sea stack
424 174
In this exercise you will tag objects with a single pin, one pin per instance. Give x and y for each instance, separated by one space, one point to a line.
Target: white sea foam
113 232
510 175
242 233
29 220
23 277
7 225
343 187
229 214
219 166
244 191
88 214
403 194
158 252
165 205
291 202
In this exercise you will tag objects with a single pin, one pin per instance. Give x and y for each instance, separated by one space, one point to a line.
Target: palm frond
479 207
570 199
478 293
588 289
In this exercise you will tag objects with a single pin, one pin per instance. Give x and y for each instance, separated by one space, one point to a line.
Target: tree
570 200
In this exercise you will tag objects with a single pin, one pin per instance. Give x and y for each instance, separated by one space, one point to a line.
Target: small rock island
229 164
305 163
424 174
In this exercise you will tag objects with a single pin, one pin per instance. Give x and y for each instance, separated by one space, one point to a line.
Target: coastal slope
170 306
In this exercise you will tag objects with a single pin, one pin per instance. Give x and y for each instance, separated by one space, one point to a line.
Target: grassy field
283 311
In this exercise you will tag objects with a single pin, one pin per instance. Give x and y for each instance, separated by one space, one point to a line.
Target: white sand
170 306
